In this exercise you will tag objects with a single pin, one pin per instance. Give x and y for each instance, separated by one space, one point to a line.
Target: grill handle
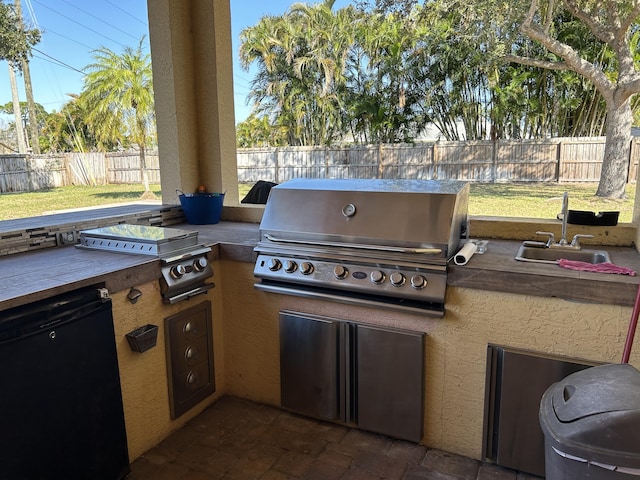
382 248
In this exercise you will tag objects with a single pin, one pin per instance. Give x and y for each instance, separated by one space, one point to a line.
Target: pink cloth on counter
604 267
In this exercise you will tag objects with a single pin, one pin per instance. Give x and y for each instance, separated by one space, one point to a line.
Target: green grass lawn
504 200
544 200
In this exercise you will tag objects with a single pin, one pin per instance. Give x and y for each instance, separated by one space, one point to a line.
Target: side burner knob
290 266
177 271
274 264
200 264
306 268
397 279
418 282
340 272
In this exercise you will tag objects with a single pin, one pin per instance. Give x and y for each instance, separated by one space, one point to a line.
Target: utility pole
22 146
34 133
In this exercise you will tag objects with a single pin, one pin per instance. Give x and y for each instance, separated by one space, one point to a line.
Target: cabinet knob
190 328
190 355
192 380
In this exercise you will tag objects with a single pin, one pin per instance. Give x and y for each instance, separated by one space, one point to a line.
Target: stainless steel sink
552 255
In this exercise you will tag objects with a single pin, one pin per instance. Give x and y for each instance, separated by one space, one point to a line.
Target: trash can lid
594 416
597 390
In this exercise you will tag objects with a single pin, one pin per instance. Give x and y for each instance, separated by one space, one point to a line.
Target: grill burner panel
418 283
371 242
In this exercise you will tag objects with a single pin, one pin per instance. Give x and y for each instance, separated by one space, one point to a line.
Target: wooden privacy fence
552 160
22 173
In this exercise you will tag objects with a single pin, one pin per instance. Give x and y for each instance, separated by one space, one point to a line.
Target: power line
100 20
46 30
78 23
32 13
126 13
59 62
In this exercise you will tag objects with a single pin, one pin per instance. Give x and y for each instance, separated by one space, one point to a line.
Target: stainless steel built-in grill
184 262
371 242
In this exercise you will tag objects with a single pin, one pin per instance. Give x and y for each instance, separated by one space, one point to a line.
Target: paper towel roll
465 253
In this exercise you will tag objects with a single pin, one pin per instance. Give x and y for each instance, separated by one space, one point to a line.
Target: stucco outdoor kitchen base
485 304
456 345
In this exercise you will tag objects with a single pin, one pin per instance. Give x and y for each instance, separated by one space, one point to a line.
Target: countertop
32 276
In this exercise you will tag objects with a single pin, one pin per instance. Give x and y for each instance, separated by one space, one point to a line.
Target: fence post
558 161
326 162
276 165
434 173
494 160
630 162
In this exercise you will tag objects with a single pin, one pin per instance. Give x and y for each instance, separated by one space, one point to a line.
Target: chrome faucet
563 243
565 214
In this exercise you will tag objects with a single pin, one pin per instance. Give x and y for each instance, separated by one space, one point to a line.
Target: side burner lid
138 239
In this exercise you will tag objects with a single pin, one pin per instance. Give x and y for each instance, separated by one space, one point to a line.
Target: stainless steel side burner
184 262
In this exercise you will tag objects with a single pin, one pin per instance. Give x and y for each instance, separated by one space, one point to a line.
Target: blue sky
72 29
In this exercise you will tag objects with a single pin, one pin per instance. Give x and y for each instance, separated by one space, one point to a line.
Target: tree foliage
118 100
68 131
257 131
595 41
16 41
476 69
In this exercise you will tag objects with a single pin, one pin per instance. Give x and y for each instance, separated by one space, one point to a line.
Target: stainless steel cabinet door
389 379
516 381
309 365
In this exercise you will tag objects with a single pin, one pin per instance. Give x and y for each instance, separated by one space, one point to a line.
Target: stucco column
193 86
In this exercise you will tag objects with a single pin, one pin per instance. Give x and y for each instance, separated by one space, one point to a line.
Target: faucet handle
552 238
576 239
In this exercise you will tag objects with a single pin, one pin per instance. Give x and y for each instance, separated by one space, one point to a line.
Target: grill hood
412 214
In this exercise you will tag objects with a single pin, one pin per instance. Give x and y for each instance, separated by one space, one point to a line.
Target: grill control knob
306 268
290 266
274 264
377 277
418 282
199 264
397 279
177 271
340 272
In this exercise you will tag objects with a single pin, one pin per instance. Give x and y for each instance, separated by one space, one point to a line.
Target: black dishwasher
61 403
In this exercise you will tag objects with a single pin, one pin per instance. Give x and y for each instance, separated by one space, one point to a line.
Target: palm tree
118 96
301 58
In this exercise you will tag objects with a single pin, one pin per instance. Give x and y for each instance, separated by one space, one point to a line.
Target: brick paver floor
236 439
